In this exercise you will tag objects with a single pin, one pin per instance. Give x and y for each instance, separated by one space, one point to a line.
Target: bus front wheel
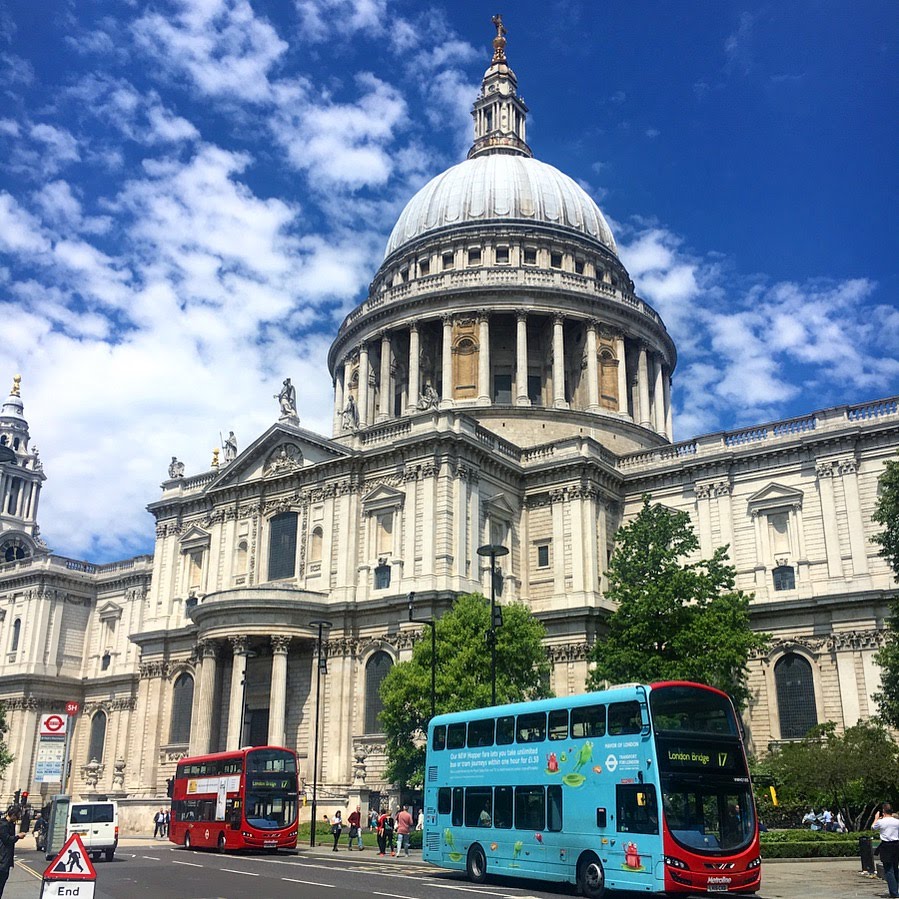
187 841
221 843
476 866
591 880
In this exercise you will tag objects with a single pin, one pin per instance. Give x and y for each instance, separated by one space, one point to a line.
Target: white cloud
60 146
321 20
20 232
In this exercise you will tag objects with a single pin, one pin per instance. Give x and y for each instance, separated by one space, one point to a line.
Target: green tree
851 772
5 755
674 620
886 513
463 677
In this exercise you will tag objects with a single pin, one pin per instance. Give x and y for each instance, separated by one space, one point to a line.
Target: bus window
637 808
589 721
480 733
444 801
558 724
505 730
554 808
531 728
530 808
457 806
624 718
502 807
438 741
455 736
478 807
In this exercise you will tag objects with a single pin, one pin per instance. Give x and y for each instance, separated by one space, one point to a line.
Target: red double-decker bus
245 799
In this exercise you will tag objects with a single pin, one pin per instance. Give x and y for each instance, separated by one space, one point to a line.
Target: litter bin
866 853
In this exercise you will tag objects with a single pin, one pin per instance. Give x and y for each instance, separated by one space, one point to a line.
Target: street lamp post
493 550
322 669
249 654
431 624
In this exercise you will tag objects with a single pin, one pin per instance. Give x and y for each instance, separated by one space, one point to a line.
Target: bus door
637 847
529 848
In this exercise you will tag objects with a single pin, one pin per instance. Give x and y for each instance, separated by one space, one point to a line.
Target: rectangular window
505 730
637 808
554 808
555 260
458 797
444 801
478 807
784 578
579 266
531 728
502 255
282 546
480 733
384 531
589 721
502 389
558 724
502 807
543 555
779 533
474 256
530 808
438 738
455 736
448 261
530 256
624 718
535 390
382 577
424 267
404 276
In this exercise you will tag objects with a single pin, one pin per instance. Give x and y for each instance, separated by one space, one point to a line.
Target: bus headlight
673 862
754 863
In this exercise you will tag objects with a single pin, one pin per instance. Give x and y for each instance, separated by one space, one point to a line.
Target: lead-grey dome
500 187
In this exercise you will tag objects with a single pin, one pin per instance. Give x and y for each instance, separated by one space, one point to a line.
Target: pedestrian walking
887 824
8 840
336 828
159 824
355 822
404 826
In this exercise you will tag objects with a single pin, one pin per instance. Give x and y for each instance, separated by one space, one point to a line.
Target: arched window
795 696
241 562
182 703
98 737
282 546
16 633
315 550
608 380
375 671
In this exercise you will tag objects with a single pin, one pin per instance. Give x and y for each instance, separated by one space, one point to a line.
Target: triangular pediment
282 450
109 610
383 497
775 495
194 537
499 506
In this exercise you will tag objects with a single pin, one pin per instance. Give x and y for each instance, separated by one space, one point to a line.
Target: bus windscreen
689 709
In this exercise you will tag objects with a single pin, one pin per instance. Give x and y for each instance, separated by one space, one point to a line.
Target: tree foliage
853 772
6 756
886 513
674 620
463 677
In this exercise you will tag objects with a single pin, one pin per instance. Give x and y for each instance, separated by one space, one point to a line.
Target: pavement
838 878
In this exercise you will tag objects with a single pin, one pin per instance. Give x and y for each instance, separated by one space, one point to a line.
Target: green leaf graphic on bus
584 756
454 854
516 851
574 780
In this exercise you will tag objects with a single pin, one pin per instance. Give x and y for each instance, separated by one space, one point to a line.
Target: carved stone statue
428 398
176 468
288 400
230 447
350 415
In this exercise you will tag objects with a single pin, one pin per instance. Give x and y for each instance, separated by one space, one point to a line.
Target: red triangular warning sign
72 863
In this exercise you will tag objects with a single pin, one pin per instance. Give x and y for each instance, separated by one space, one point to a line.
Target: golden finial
16 382
499 42
215 457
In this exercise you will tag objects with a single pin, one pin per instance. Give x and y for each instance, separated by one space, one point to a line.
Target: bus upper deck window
531 728
558 724
589 721
505 730
455 736
480 733
624 718
438 739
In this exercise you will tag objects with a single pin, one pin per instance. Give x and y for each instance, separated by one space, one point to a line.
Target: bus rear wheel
591 879
187 841
476 865
221 843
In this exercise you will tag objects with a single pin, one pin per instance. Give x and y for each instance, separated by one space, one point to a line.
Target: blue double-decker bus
638 787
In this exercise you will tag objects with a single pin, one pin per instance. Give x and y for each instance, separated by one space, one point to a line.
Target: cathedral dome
505 188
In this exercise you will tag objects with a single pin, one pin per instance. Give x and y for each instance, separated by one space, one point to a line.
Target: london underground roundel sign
53 725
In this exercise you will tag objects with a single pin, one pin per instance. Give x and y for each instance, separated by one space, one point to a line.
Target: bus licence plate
717 887
270 843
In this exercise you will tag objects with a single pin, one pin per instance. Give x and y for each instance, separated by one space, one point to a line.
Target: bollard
866 853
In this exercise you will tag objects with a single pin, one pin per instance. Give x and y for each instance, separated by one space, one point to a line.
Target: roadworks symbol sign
72 863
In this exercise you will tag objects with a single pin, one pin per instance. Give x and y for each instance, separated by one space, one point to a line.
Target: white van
97 823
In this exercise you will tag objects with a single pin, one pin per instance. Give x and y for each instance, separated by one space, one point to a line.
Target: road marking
235 871
31 871
452 886
312 883
190 864
392 895
151 858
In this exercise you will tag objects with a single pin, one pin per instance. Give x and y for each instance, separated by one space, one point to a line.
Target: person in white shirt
887 824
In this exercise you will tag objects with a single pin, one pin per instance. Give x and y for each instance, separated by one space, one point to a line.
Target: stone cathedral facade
501 383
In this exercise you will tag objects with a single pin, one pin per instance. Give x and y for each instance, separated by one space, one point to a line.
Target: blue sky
192 196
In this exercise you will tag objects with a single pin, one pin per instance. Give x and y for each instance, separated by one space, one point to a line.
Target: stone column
669 417
446 398
235 705
592 369
384 396
362 398
825 472
338 403
277 706
643 414
559 363
484 394
658 395
521 359
622 373
201 726
848 468
414 367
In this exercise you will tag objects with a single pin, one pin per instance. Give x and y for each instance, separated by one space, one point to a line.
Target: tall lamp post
322 669
431 624
249 654
493 550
